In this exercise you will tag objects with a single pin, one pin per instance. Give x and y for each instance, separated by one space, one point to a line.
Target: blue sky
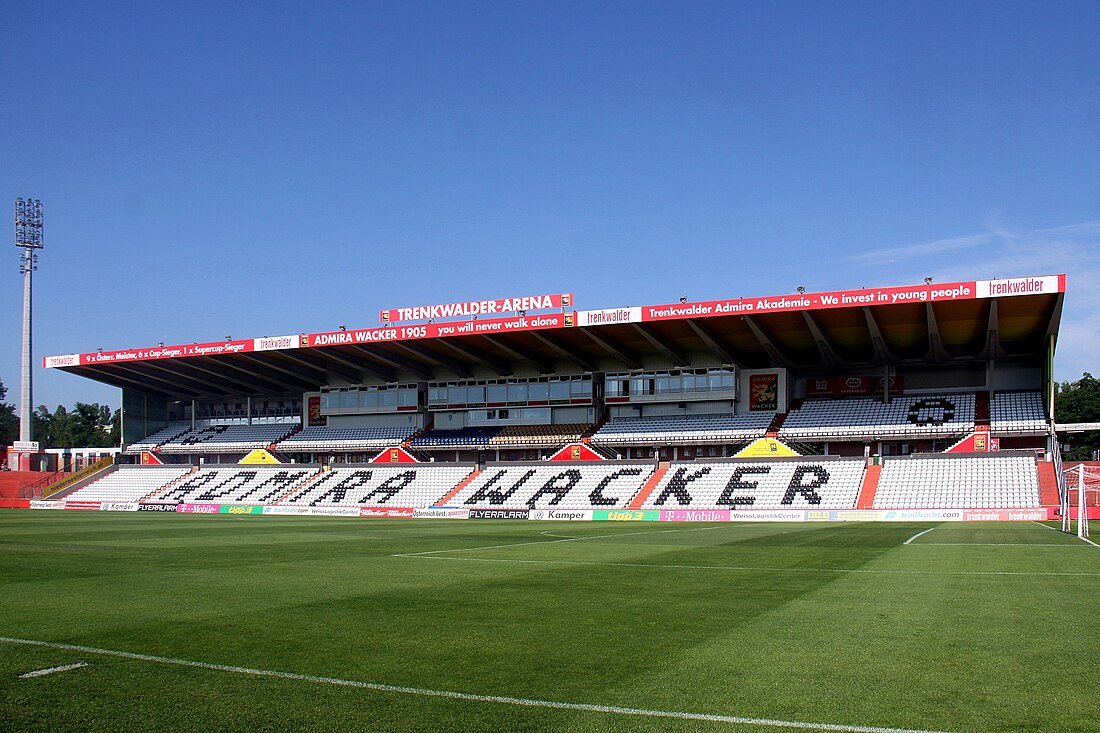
268 168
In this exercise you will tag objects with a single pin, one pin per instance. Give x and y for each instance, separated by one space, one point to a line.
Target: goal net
1080 491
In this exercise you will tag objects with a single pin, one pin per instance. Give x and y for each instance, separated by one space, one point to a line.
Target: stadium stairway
304 486
870 486
407 442
650 485
587 437
461 485
981 410
153 495
777 421
1048 484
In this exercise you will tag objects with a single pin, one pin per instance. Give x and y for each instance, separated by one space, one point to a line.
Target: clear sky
213 169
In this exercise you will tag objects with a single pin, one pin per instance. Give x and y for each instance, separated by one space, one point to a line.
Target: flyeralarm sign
476 308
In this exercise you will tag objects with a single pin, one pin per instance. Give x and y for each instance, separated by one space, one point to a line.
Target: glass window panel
517 392
727 382
662 385
387 398
407 397
456 394
475 394
559 390
539 391
497 393
349 400
368 399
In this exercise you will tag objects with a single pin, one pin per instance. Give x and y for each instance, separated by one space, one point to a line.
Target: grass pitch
542 626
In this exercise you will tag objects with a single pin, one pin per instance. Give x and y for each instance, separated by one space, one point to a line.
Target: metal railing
49 489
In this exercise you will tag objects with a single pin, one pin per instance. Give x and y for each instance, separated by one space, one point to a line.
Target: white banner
272 343
561 515
1017 286
607 316
65 360
921 515
334 511
766 516
119 506
440 513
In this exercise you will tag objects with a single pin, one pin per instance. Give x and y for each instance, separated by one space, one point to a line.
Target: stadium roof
950 323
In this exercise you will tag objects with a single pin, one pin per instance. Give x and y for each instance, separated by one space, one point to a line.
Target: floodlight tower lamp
28 236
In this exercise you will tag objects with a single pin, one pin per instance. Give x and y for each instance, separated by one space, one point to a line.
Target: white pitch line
918 534
1053 529
747 568
1000 544
51 670
470 697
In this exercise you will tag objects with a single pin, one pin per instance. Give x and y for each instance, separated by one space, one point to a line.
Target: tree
1077 402
9 423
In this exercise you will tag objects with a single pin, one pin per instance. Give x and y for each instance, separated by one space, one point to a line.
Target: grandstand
785 483
846 385
966 481
938 416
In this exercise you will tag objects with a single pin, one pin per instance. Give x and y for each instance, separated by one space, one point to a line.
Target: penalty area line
745 568
470 697
918 534
51 670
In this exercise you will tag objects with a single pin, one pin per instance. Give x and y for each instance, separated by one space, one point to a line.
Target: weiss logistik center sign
546 312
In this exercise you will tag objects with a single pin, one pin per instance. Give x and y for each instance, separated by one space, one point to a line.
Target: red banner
476 324
164 352
576 452
385 511
476 308
930 292
763 392
394 455
436 330
314 418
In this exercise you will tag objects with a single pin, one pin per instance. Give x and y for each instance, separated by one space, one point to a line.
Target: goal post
1080 490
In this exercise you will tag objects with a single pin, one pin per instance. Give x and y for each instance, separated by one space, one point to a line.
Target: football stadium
840 511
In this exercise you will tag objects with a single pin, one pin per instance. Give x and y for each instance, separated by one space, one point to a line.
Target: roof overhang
933 324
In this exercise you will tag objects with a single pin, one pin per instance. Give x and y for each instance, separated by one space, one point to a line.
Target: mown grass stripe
748 568
470 697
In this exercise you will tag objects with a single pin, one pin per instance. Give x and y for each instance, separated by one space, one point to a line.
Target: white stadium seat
684 429
407 485
558 485
803 483
945 482
905 417
129 483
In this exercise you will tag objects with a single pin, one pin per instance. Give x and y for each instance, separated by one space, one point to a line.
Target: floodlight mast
28 235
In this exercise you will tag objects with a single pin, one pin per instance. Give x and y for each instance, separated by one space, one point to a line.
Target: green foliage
86 426
1077 402
9 422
